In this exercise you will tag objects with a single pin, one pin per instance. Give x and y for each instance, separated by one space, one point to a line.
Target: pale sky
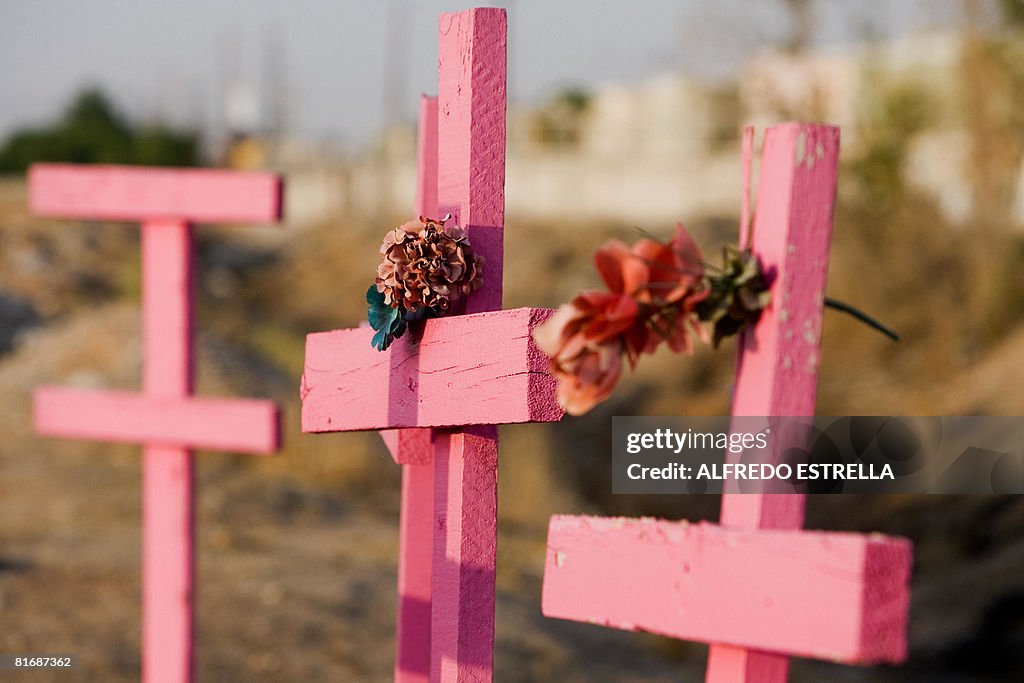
170 59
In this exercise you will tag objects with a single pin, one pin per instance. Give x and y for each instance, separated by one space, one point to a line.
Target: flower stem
861 316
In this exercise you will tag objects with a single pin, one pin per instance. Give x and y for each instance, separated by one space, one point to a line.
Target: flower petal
548 335
616 265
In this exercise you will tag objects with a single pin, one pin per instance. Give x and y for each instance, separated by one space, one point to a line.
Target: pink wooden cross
757 587
165 417
413 450
459 377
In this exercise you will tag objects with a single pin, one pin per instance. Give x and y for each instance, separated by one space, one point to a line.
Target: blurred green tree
560 123
91 130
1013 12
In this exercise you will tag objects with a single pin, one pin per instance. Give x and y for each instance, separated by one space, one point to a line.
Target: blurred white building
666 149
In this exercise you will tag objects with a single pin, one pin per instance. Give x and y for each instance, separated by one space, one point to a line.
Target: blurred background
621 116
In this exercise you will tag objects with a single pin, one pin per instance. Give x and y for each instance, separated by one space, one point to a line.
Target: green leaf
737 296
388 322
378 312
383 338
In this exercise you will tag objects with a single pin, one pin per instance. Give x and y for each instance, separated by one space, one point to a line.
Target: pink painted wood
415 446
166 201
168 472
413 450
240 425
751 586
462 371
139 193
777 364
747 151
410 446
415 573
471 137
426 158
811 594
465 552
471 187
467 369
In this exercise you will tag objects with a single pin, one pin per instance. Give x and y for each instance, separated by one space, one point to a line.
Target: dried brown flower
427 263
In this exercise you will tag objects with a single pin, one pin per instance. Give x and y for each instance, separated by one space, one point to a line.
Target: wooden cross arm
464 370
241 425
836 596
127 193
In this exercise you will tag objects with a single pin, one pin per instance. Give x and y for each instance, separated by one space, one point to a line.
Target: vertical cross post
471 187
777 362
168 546
757 587
165 417
413 450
